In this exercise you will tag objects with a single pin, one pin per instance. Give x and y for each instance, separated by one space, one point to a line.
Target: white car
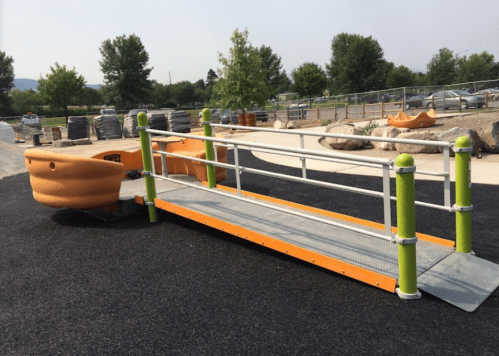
31 120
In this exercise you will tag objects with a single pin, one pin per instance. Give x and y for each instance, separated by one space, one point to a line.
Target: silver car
452 100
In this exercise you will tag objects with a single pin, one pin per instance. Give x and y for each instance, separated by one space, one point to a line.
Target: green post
406 224
208 146
147 160
463 206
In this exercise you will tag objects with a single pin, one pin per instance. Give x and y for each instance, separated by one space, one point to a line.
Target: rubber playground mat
73 284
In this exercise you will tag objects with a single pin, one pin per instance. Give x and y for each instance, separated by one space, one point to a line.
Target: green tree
284 83
357 65
400 76
442 68
125 74
241 82
210 82
6 83
309 80
23 100
60 86
476 67
272 69
89 97
183 92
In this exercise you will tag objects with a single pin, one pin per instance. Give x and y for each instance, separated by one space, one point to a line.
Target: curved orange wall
64 181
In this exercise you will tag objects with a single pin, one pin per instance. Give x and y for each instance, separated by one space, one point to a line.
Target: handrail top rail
381 161
324 134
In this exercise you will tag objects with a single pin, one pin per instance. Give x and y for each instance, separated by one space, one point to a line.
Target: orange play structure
64 181
403 120
175 165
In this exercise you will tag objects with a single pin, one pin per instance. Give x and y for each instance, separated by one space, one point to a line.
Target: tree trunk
66 111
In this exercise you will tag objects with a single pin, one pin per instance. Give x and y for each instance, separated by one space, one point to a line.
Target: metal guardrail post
463 206
208 146
406 224
147 160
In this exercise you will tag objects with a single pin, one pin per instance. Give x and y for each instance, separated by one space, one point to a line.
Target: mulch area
71 284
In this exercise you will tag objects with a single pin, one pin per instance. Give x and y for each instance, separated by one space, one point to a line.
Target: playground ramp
460 279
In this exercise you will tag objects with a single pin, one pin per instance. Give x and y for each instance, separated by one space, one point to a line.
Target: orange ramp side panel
64 181
423 119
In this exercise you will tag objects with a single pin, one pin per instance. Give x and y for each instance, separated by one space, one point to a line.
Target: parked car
492 93
412 102
225 117
320 100
31 120
108 112
452 99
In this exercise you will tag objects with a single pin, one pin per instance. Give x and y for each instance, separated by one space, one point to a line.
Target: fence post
346 110
406 224
463 206
363 110
208 146
318 114
486 100
433 102
335 117
147 160
382 109
459 102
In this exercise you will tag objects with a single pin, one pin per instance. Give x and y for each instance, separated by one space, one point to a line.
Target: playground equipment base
459 279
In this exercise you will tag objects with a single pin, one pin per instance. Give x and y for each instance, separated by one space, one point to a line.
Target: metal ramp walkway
462 280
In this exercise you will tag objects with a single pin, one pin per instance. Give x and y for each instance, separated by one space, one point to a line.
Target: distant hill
28 84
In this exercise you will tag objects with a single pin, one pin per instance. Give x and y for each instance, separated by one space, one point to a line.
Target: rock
293 125
490 137
82 141
343 143
7 133
415 135
456 132
280 124
62 143
390 132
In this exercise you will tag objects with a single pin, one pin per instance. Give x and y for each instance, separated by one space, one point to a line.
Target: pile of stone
51 134
107 127
24 132
486 140
179 121
78 127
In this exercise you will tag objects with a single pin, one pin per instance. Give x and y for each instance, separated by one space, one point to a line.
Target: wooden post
486 100
275 115
433 103
363 111
301 113
318 114
346 111
335 113
382 109
459 102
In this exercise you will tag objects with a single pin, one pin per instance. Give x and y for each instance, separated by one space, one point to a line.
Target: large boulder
293 125
386 131
280 124
490 137
415 135
7 133
343 143
453 134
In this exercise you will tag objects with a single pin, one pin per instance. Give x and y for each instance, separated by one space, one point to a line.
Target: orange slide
423 119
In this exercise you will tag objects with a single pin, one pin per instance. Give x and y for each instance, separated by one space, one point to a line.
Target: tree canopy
241 81
309 79
275 78
442 68
400 76
357 64
476 67
89 97
6 82
124 62
24 100
60 86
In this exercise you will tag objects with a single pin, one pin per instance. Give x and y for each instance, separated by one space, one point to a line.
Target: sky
184 38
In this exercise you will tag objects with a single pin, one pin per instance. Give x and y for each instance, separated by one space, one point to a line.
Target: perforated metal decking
363 257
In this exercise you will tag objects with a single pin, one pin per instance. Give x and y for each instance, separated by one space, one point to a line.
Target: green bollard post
208 146
406 224
147 160
463 207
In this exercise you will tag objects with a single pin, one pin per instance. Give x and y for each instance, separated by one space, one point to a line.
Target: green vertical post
208 146
406 224
463 206
147 164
